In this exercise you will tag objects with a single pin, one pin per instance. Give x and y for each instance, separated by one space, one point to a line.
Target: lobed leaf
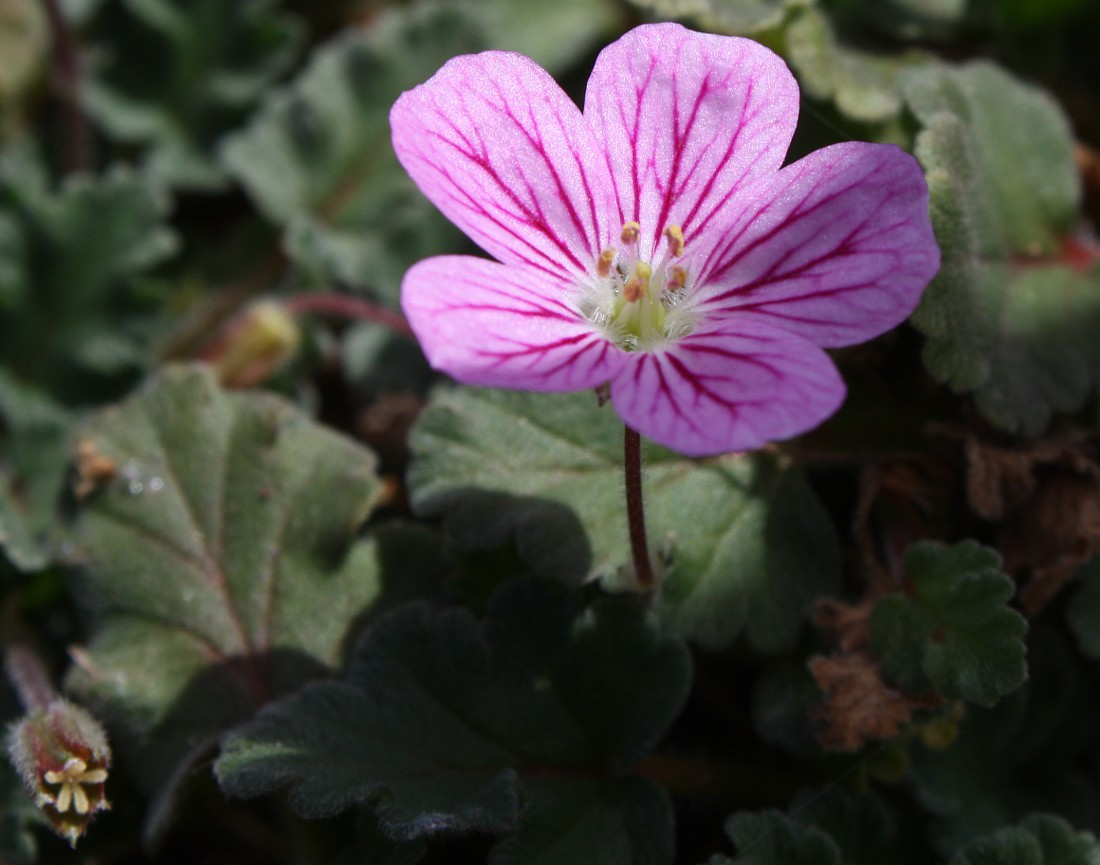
222 562
195 71
447 724
952 628
1011 316
1042 839
751 548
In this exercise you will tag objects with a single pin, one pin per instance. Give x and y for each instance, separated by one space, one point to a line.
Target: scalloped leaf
1022 756
751 547
317 158
194 70
771 838
953 627
68 309
445 725
222 562
1041 839
1013 313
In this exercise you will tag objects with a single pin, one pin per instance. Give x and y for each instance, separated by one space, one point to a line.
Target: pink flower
654 243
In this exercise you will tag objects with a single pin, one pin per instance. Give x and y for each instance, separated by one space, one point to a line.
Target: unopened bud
255 345
62 754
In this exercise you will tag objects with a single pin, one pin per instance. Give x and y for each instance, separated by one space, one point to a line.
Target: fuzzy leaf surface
1041 839
953 628
736 17
1013 313
445 724
195 70
317 158
222 560
751 547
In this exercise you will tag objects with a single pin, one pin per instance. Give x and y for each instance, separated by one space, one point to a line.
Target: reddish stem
635 509
28 676
345 306
67 67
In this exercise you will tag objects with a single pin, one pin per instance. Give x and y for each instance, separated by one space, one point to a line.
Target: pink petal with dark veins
836 247
686 119
485 323
503 152
732 385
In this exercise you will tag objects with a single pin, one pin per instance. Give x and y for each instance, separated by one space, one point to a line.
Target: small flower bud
62 754
256 344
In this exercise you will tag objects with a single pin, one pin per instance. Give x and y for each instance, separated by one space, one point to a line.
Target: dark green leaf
953 627
33 463
1008 317
772 838
67 308
194 70
553 41
447 725
751 548
737 17
1084 610
222 560
317 158
1041 839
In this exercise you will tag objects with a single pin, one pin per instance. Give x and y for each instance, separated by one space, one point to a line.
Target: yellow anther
631 232
636 286
607 258
675 237
677 278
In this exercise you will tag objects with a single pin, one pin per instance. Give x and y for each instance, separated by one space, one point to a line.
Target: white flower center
639 304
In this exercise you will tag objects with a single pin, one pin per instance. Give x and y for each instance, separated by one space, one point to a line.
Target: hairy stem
345 306
635 509
28 676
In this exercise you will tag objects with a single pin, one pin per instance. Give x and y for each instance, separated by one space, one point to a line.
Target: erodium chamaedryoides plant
653 243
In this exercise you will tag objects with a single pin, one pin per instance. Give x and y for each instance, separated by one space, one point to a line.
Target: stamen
677 278
675 237
603 266
638 283
631 232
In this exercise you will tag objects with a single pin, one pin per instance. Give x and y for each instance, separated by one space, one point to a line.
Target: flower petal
837 247
490 324
686 118
499 148
732 386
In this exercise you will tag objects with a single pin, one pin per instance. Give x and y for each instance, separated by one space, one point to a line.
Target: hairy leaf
445 724
953 627
317 158
1041 839
1013 313
736 17
222 561
194 71
750 546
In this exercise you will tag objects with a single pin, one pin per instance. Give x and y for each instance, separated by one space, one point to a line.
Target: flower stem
345 306
635 510
28 676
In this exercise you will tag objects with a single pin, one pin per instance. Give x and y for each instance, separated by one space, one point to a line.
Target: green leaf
1022 756
23 44
751 547
1041 839
194 71
952 627
317 158
1084 609
33 463
771 838
445 724
739 17
223 562
67 289
553 41
1009 317
864 86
